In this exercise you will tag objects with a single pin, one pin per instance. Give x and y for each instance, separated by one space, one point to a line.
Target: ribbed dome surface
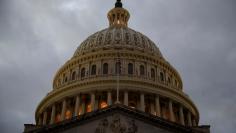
118 38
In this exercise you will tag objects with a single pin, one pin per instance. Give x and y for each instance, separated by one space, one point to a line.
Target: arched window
130 68
153 73
73 75
93 71
82 72
105 68
118 68
141 69
161 76
169 80
65 79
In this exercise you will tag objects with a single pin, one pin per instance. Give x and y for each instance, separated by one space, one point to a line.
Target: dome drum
97 97
151 71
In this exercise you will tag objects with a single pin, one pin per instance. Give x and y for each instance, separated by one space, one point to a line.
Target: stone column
45 115
52 120
189 119
40 120
181 115
126 98
194 123
92 96
142 102
77 103
158 109
152 109
109 101
172 117
63 111
83 104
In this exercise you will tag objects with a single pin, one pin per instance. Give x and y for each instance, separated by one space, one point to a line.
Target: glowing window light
68 114
58 118
103 104
89 108
80 111
132 107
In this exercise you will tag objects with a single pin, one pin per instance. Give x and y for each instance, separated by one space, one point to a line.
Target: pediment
115 119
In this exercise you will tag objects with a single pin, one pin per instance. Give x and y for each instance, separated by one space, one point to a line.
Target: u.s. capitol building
117 82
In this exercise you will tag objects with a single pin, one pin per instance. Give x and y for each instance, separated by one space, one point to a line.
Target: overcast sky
198 37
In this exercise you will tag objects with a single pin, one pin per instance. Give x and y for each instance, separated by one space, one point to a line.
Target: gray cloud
197 37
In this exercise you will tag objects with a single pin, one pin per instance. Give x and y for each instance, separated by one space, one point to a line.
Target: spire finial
118 4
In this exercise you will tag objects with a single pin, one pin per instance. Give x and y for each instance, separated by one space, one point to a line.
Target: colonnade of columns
80 107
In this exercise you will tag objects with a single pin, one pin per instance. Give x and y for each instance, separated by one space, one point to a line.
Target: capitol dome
118 38
117 65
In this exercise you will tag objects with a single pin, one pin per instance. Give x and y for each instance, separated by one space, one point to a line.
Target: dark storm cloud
196 36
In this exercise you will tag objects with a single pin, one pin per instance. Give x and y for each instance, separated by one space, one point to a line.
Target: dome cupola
118 16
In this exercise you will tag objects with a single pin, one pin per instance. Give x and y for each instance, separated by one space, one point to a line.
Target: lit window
58 118
103 104
80 110
89 108
68 114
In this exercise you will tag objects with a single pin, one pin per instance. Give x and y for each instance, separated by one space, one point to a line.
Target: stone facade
117 119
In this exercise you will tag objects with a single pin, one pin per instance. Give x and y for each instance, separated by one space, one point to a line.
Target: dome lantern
118 16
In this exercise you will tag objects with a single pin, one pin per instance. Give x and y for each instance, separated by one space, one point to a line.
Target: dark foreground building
117 82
